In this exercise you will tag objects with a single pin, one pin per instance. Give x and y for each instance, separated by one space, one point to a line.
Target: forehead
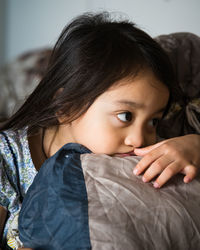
145 90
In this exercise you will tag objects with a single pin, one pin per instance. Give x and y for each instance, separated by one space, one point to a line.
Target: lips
125 154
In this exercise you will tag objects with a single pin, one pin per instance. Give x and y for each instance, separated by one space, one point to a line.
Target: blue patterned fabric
17 172
54 214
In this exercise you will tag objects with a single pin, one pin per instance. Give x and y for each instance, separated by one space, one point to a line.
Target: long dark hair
92 53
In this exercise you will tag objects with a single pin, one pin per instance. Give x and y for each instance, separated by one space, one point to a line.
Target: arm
3 214
169 157
9 198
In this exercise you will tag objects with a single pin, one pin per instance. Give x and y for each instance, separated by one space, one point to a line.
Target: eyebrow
138 105
131 104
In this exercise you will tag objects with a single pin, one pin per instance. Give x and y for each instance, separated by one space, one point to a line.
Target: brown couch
184 115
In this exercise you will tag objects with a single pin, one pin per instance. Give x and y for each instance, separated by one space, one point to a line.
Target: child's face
122 118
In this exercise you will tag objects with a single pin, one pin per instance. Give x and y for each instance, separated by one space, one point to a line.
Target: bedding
80 200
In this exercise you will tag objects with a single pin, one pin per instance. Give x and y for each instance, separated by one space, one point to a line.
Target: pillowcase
80 200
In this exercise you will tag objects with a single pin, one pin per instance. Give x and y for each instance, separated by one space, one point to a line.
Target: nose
135 138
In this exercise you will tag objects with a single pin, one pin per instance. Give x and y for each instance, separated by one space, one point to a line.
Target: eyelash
129 117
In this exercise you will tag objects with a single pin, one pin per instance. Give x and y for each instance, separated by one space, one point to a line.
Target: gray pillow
125 213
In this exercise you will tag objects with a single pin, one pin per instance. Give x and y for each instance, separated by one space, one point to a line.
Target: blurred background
32 24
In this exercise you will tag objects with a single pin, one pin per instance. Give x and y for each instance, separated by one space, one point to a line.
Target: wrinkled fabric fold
81 200
125 213
54 214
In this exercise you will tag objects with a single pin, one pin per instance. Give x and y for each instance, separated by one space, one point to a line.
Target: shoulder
11 140
16 171
11 144
7 169
16 166
15 154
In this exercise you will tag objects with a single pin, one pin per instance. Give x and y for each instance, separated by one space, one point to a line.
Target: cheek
105 141
150 139
97 133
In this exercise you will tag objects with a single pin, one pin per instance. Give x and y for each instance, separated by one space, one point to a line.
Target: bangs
112 56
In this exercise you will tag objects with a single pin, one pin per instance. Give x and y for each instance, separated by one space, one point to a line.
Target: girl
106 87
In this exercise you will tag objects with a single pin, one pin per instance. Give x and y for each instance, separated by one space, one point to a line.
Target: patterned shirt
17 172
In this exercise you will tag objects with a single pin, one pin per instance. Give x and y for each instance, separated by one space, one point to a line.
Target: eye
125 116
154 122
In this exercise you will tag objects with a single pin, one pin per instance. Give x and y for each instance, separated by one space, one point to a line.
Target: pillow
80 200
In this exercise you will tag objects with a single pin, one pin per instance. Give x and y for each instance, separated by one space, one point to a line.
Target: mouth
131 153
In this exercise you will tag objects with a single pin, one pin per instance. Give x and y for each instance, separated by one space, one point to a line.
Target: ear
58 92
61 118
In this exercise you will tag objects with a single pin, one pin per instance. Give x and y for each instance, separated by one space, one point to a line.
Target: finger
146 161
167 174
146 150
156 168
190 172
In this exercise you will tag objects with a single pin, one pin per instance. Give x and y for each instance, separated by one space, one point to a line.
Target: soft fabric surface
82 201
183 117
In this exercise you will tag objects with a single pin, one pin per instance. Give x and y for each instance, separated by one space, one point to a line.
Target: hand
169 157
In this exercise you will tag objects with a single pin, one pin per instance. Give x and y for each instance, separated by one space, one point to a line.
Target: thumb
146 150
190 173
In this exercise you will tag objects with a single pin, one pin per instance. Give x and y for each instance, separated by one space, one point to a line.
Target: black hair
92 53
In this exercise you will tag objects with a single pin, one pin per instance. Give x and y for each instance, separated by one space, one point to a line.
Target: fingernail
144 179
187 179
135 171
156 185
